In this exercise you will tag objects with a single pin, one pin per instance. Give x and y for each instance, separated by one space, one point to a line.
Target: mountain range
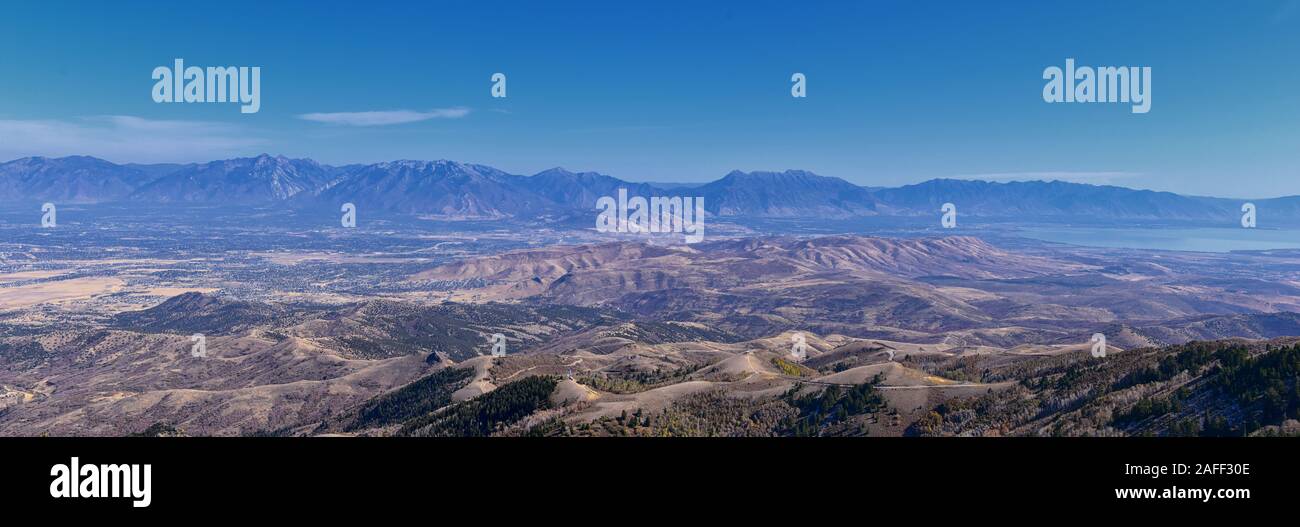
453 189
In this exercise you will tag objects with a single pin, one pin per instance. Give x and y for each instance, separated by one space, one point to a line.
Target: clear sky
898 91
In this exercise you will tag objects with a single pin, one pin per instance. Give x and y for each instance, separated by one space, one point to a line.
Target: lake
1203 239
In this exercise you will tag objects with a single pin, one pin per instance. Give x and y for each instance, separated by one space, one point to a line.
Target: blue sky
898 91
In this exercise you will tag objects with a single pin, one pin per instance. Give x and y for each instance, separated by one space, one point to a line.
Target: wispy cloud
385 117
124 138
1096 178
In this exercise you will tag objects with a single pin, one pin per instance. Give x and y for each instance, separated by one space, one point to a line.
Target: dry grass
45 292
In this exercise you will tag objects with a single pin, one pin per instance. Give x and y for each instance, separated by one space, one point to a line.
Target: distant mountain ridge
75 179
240 180
1017 198
580 190
789 194
440 188
462 190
